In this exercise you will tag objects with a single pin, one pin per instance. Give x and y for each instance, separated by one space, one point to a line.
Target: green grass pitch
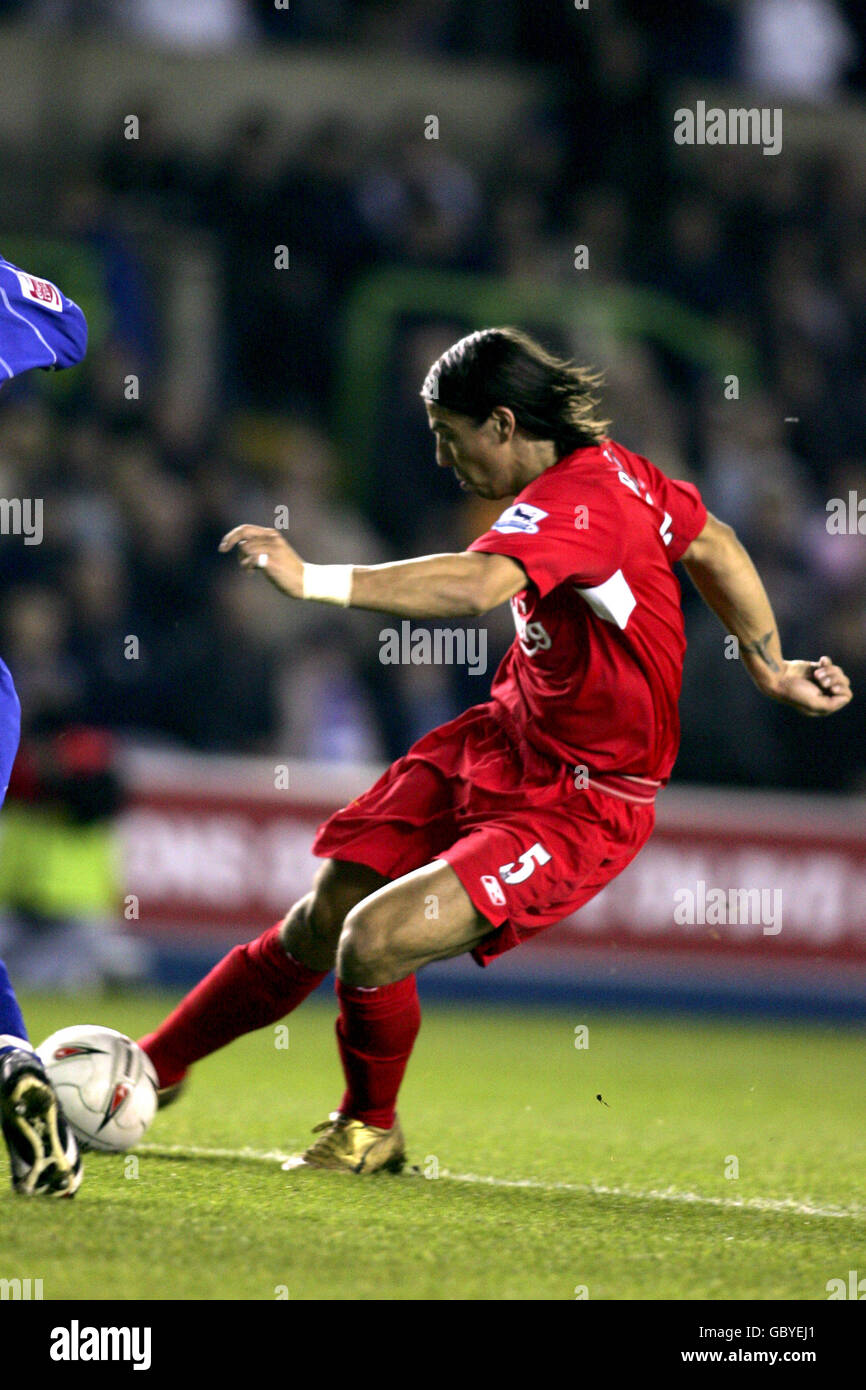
632 1197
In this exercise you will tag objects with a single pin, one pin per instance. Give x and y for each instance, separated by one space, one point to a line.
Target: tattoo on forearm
759 649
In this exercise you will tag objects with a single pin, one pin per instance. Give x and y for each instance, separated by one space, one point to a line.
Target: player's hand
263 548
812 687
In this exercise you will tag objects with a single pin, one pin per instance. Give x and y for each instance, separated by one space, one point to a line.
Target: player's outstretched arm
464 584
725 577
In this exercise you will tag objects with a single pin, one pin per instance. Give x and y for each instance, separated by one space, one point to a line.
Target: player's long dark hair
551 397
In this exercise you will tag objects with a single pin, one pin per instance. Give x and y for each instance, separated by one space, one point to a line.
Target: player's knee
311 931
310 934
337 888
364 954
318 917
295 920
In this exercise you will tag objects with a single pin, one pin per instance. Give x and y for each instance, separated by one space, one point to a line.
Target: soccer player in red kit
515 814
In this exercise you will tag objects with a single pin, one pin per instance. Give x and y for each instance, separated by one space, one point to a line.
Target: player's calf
261 981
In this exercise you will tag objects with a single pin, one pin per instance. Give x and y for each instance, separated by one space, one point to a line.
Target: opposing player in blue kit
39 327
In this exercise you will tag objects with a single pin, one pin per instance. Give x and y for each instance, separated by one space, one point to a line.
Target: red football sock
254 985
376 1031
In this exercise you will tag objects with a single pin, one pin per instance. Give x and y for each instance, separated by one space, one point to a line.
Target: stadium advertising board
731 886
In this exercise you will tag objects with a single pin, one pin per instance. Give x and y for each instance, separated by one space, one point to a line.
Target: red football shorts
528 839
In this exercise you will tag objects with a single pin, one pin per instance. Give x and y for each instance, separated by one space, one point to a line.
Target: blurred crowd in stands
802 47
126 617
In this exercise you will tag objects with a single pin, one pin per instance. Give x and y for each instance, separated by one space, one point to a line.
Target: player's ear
504 423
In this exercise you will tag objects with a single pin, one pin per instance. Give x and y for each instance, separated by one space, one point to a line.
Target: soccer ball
105 1084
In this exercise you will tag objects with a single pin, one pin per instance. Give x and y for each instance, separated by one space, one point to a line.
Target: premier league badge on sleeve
520 517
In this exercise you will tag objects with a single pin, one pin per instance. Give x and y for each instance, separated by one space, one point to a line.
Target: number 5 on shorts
536 854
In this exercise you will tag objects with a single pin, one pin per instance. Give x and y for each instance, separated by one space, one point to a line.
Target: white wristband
328 583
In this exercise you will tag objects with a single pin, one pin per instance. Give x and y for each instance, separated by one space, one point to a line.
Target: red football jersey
594 673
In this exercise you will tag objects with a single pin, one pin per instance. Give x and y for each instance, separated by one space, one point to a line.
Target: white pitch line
776 1205
192 1151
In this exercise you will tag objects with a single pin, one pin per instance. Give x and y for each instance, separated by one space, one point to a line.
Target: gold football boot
350 1146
